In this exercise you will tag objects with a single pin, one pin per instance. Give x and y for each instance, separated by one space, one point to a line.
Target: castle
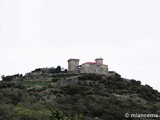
96 67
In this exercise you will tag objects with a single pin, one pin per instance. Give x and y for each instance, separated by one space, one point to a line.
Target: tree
58 69
2 77
6 78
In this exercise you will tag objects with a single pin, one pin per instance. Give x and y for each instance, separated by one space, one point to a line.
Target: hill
63 96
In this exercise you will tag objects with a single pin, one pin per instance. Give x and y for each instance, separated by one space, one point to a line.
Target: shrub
54 79
7 78
93 77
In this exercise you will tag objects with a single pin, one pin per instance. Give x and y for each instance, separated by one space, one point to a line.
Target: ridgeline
62 96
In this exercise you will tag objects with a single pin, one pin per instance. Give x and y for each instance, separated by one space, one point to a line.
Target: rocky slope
62 96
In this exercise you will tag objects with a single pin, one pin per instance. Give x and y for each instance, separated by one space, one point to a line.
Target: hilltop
59 95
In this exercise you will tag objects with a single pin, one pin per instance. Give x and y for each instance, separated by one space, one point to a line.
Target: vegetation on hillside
74 97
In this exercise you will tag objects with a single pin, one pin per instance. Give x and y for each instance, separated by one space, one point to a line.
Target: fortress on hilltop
96 67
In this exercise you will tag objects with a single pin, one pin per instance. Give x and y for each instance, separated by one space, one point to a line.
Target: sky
46 33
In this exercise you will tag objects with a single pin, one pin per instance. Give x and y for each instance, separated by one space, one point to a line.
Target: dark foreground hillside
75 97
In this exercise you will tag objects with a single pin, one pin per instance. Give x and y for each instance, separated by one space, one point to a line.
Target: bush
134 82
93 77
55 79
7 78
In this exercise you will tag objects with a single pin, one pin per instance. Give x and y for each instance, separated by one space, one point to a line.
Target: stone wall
96 67
73 65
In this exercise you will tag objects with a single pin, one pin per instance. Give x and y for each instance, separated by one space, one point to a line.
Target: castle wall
99 61
73 65
90 67
94 68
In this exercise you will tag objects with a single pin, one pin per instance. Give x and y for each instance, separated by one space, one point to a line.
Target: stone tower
73 65
99 61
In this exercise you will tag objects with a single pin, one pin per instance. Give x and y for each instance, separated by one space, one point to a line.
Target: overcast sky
46 33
